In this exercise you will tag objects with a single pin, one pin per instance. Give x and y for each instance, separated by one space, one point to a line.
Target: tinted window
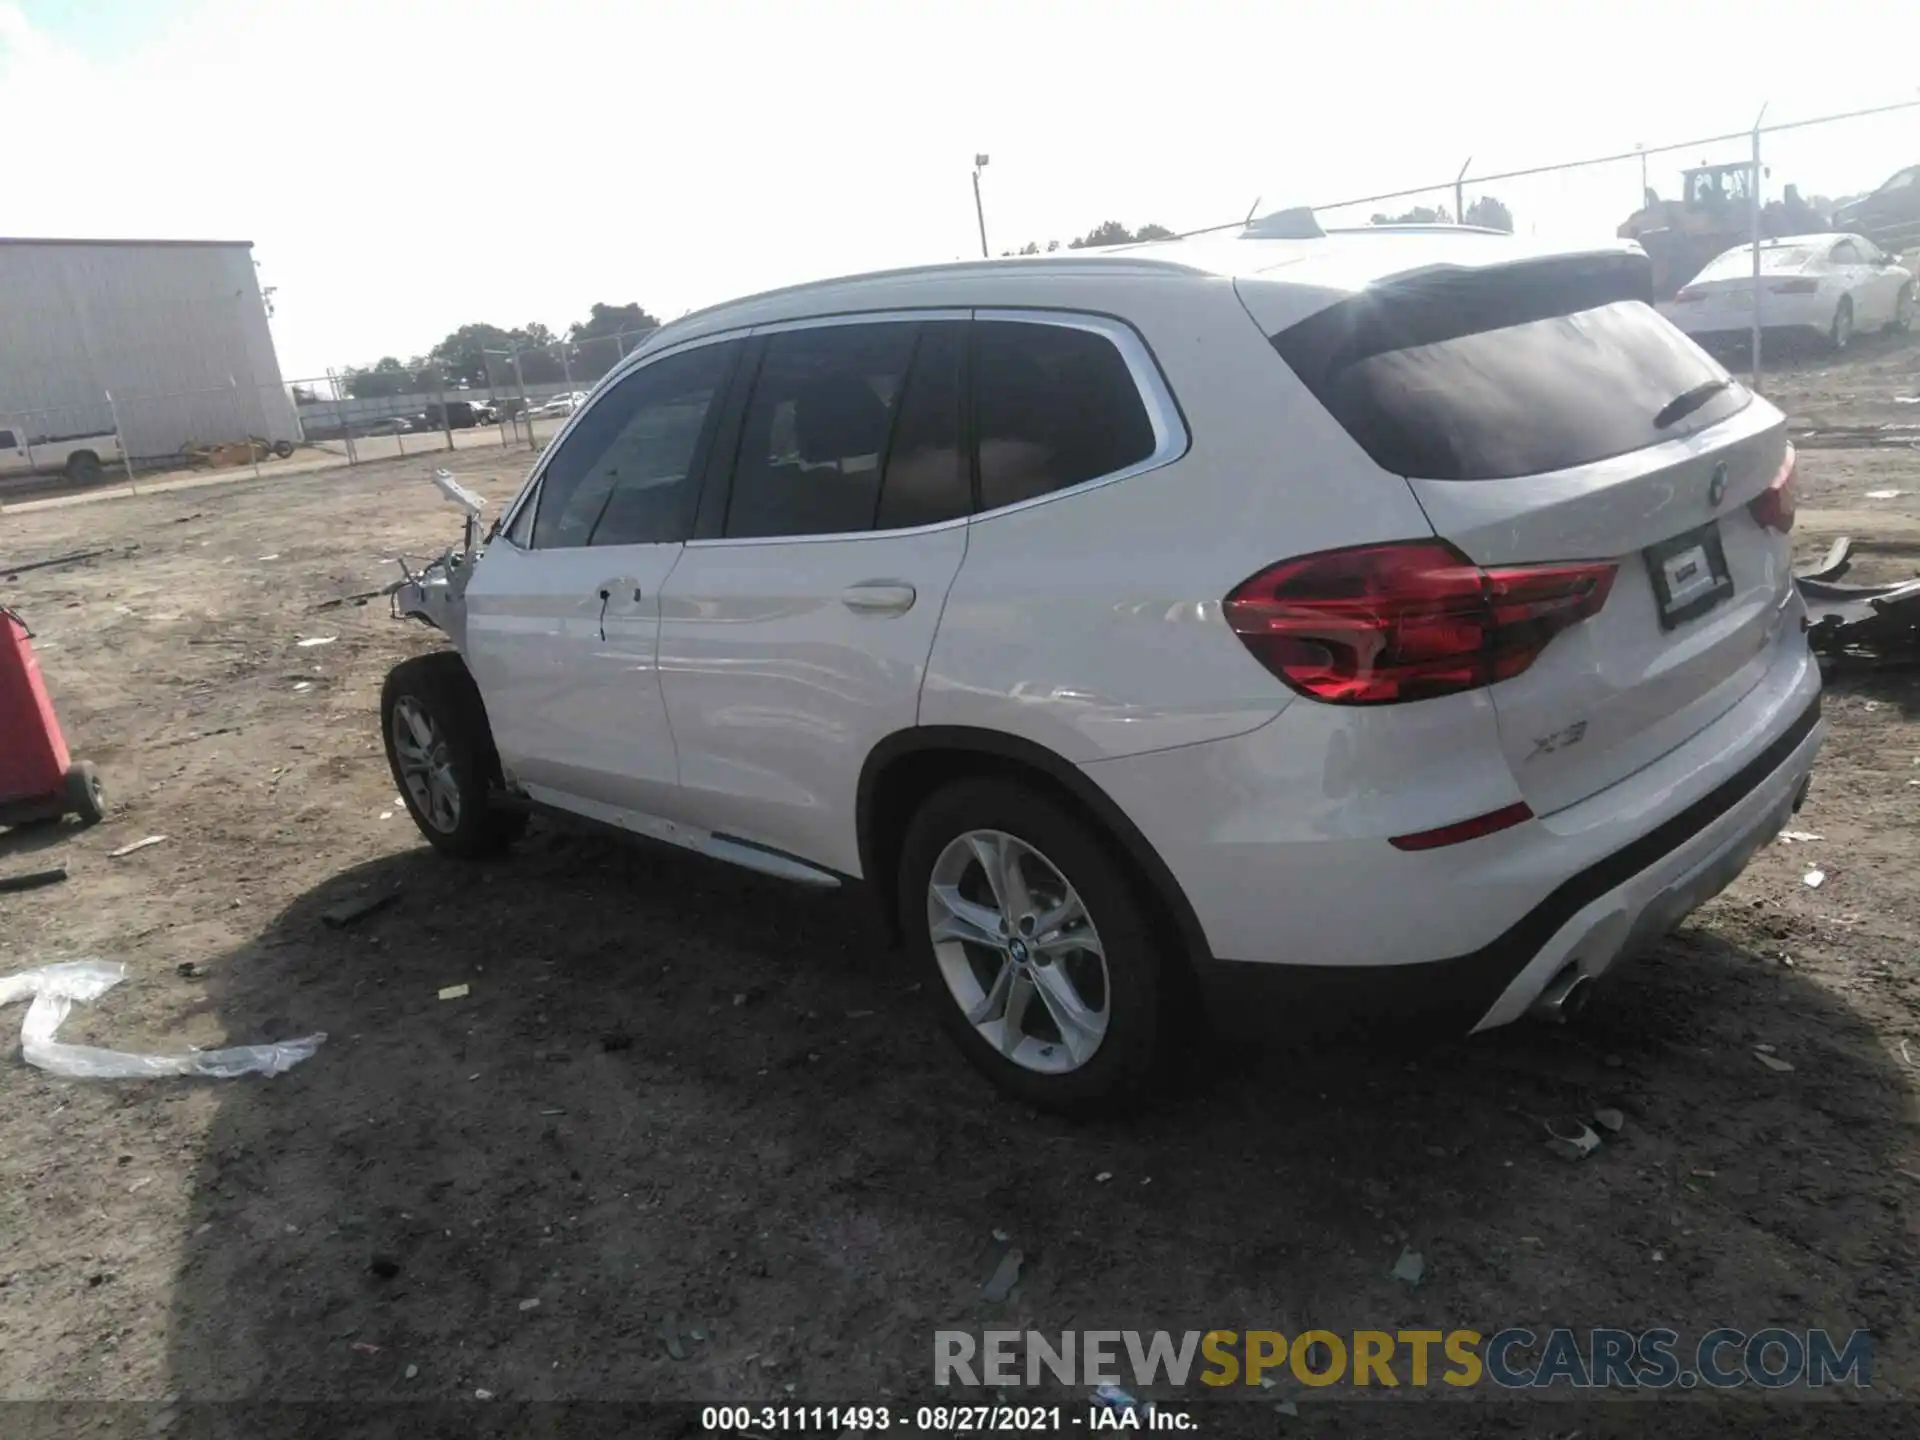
815 438
926 476
1515 370
1052 406
1845 254
7 442
521 531
624 475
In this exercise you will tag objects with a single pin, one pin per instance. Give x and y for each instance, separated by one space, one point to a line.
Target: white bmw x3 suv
1376 624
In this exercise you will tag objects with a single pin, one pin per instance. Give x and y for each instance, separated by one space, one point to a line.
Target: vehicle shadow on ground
690 1134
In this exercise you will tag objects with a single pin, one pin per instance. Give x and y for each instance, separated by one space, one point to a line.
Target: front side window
626 473
1053 406
815 439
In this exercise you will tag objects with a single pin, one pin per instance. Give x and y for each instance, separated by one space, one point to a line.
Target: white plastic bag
54 988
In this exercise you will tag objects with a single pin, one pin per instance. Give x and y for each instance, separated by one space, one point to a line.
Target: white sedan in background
562 404
1835 285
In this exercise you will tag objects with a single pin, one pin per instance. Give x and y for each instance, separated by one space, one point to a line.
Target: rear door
1543 413
796 629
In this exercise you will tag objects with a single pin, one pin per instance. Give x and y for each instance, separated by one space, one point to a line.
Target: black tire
1840 333
83 467
1128 1057
282 448
1902 320
85 795
441 687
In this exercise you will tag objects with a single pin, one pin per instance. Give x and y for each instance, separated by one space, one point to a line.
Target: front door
563 613
795 637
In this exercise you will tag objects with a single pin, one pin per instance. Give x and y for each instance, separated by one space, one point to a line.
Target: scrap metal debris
1571 1139
126 850
338 917
1859 623
32 879
1005 1276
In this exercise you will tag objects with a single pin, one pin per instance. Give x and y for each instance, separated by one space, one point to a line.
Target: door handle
879 597
616 590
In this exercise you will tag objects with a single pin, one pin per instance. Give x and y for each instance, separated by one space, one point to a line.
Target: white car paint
734 690
1803 281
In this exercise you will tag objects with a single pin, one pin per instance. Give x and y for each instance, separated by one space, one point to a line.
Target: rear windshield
1486 374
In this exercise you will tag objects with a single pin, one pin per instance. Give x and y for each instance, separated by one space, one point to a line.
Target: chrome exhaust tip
1566 996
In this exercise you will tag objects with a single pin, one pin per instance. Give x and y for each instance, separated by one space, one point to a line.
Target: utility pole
979 212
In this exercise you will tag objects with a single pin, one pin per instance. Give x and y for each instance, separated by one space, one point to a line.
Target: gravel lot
704 1123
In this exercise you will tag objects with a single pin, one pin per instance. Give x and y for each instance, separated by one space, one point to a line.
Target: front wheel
1840 334
440 750
1032 945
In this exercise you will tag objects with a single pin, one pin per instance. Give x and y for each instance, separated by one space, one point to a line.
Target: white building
174 330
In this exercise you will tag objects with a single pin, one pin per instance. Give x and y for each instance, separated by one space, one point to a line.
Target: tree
386 376
1107 232
608 332
1490 213
1419 215
304 395
1153 232
462 356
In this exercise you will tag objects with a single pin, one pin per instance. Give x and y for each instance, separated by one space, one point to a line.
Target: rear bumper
1590 921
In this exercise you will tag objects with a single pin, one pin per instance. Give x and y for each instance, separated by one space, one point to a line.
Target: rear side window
1053 406
815 439
1514 370
1845 254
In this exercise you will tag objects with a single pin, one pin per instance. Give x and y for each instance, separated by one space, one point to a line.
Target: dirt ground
704 1123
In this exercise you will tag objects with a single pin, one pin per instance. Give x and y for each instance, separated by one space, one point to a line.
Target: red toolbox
38 779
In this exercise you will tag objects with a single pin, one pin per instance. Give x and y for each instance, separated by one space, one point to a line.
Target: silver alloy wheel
1019 952
426 769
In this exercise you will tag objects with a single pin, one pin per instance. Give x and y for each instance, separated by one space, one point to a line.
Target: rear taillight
1379 624
1794 287
1773 506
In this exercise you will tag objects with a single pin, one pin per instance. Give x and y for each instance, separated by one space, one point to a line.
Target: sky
407 166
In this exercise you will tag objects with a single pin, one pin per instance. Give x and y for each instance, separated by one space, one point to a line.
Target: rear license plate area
1689 574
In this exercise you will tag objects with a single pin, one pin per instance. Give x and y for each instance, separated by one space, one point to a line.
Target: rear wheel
1840 334
1032 946
283 448
83 466
441 753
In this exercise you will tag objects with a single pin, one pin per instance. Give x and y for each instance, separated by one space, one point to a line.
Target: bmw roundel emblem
1717 487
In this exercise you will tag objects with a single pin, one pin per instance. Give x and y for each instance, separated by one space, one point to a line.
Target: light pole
979 213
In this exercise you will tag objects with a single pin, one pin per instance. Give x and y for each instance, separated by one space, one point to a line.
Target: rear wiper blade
1688 401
